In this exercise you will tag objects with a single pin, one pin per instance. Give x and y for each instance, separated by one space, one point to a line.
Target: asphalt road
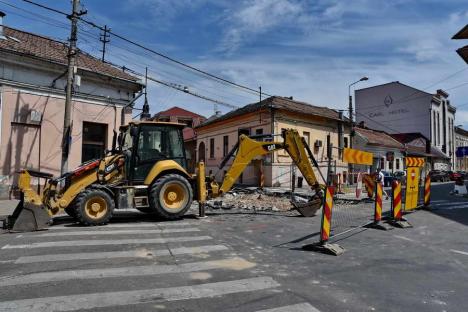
239 261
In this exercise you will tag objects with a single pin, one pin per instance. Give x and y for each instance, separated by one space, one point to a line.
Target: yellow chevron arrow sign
354 156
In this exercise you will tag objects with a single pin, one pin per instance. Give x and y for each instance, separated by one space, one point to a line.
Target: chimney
2 35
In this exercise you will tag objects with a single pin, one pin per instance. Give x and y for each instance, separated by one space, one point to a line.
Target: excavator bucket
307 208
28 217
30 214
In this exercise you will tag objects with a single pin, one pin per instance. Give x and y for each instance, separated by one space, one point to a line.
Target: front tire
170 196
93 207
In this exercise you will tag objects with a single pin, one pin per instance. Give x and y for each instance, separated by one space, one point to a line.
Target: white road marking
452 204
55 276
133 225
300 307
404 238
140 253
116 232
107 242
459 252
121 298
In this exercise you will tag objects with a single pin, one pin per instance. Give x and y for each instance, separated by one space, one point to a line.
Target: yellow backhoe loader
146 170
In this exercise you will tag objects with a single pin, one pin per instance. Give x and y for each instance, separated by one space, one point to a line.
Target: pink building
32 99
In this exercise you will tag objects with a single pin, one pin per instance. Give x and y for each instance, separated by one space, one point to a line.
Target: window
306 136
434 128
245 131
438 129
345 141
397 165
259 131
382 163
94 141
212 148
225 145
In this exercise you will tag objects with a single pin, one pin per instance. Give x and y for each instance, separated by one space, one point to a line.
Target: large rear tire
170 196
93 207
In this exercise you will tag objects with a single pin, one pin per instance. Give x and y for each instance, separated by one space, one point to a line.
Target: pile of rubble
253 199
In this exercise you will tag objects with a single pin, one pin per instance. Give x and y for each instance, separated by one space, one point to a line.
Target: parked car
388 178
463 174
439 176
453 176
401 176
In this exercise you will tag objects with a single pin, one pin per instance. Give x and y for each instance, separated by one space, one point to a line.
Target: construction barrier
427 191
326 215
369 183
397 210
377 224
378 202
412 188
397 213
325 227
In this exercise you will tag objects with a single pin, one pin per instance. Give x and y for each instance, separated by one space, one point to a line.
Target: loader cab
146 143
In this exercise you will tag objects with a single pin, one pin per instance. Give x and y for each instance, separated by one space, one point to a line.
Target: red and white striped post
427 191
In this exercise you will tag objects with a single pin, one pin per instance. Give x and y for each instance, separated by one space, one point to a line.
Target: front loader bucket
28 217
308 208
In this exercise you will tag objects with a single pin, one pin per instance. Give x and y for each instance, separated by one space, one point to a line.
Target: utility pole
145 114
260 92
66 138
104 38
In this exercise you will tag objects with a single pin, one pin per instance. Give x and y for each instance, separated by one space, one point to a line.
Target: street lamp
351 106
352 124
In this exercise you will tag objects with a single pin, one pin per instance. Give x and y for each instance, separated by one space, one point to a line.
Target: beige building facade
217 136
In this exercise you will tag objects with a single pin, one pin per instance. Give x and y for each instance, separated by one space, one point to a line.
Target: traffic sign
355 156
414 161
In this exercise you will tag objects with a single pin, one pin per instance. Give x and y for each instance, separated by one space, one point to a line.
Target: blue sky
310 50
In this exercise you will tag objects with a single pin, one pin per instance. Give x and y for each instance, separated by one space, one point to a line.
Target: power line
150 50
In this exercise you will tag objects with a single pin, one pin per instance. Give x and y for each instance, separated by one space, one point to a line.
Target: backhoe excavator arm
248 149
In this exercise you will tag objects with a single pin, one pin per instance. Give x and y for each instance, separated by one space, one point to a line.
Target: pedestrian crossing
133 267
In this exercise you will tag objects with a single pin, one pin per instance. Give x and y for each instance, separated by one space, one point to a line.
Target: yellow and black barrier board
355 156
414 161
412 188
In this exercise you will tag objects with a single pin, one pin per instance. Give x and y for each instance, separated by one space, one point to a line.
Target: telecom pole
66 138
104 38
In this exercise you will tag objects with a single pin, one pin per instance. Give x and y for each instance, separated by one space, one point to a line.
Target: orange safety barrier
326 215
427 191
369 183
378 202
396 209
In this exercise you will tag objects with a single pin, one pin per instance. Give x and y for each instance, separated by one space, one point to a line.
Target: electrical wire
195 69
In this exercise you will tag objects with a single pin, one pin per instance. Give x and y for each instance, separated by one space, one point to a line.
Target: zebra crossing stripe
96 242
140 253
132 225
300 307
117 232
121 298
235 263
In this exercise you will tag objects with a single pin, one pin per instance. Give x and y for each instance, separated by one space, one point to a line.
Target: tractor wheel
70 210
170 196
93 207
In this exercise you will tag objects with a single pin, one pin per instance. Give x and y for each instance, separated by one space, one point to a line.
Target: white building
461 146
398 108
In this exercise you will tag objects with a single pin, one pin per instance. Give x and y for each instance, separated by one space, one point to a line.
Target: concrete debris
254 199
